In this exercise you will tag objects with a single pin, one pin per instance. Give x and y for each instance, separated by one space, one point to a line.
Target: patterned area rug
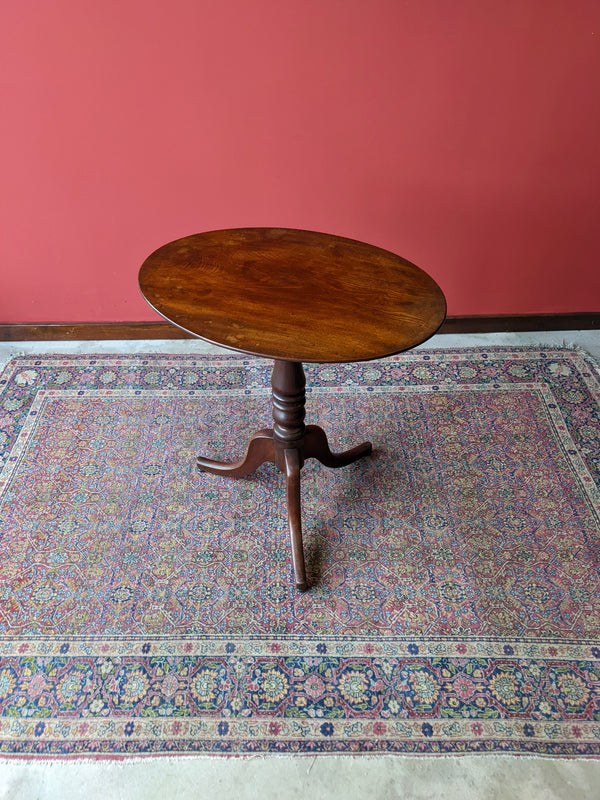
455 607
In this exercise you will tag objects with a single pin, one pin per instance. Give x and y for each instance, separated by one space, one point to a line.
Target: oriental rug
455 600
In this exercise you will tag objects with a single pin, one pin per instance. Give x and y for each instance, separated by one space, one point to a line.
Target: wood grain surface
293 295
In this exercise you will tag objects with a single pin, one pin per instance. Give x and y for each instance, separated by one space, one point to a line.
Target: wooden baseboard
520 323
99 331
90 331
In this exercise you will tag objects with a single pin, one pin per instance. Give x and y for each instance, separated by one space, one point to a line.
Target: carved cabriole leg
292 491
260 449
317 446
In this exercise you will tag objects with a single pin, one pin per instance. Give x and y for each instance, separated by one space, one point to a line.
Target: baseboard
91 331
513 323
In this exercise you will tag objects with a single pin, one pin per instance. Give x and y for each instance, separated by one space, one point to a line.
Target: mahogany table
292 296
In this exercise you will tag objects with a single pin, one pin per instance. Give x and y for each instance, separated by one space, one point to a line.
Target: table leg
292 486
317 446
260 449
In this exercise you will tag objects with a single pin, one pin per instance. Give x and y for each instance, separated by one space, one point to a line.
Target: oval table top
293 295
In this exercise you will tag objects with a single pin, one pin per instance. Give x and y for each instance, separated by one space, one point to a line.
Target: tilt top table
292 296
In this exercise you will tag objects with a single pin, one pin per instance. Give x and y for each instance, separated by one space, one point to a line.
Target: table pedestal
288 444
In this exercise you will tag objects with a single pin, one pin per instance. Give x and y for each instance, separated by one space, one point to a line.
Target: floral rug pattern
455 600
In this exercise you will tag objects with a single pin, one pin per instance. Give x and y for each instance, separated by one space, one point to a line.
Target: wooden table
292 296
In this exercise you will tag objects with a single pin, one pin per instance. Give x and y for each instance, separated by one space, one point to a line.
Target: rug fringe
588 357
124 761
6 358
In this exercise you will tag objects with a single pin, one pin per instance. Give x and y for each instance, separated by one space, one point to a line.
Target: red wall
461 134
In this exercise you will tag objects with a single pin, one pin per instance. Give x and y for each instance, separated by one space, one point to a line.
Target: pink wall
463 135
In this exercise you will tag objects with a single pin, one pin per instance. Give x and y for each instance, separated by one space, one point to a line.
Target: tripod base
287 445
